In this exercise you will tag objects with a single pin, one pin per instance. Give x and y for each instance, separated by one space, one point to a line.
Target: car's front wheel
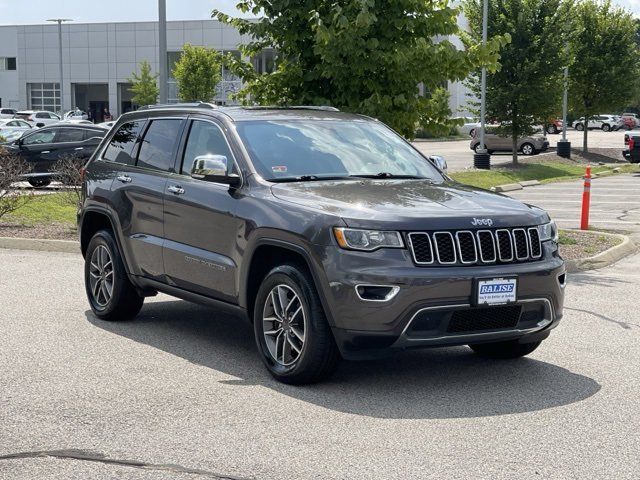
527 149
606 127
291 329
579 127
478 148
552 129
39 182
111 294
504 350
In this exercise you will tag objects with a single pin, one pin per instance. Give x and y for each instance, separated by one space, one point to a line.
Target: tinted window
94 134
158 144
42 115
121 146
42 136
69 135
205 138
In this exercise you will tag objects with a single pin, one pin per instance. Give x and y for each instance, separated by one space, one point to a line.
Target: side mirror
439 162
213 168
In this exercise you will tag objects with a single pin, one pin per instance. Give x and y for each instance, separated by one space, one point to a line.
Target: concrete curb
39 244
529 183
509 187
606 258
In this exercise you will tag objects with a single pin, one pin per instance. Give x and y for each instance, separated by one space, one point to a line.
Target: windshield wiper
307 178
389 175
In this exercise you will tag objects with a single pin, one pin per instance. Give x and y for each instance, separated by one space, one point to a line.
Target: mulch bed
575 245
51 231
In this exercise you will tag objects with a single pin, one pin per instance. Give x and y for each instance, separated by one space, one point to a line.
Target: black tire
606 127
319 354
579 127
504 350
477 148
552 129
39 182
124 303
472 132
528 149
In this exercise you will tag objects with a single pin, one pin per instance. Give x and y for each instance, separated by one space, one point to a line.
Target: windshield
317 149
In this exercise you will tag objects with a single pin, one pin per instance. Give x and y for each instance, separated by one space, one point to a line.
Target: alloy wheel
101 276
284 325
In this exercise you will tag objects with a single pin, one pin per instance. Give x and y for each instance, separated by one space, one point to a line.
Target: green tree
197 73
144 86
605 58
527 89
365 56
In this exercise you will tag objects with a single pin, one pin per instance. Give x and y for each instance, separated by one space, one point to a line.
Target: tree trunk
585 149
514 147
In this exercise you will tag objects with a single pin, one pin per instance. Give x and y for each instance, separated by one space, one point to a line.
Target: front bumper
430 299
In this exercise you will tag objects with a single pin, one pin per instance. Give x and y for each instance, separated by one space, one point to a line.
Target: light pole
564 146
59 22
162 49
482 159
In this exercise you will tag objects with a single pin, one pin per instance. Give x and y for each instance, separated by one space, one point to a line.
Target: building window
7 63
44 96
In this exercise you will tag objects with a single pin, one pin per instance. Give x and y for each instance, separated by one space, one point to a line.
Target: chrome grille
466 247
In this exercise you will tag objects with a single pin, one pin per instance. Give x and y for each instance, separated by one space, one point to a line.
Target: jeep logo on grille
486 222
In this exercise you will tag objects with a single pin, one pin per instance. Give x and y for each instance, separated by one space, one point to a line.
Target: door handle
79 148
176 189
46 151
124 178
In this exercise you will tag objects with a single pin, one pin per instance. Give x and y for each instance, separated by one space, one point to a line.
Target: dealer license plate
497 291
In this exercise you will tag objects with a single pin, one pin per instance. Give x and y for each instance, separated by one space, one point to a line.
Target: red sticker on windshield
279 169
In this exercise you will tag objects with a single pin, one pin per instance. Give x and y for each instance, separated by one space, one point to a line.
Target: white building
99 58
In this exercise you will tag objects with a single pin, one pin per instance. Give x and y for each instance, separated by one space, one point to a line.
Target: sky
15 12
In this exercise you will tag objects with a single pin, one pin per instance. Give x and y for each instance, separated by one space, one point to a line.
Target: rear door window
120 149
157 148
66 135
93 134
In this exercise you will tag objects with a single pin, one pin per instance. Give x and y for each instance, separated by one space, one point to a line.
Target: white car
10 136
76 114
7 113
14 124
39 118
606 123
76 121
107 124
469 127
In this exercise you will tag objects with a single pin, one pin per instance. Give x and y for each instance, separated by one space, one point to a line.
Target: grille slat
489 318
466 247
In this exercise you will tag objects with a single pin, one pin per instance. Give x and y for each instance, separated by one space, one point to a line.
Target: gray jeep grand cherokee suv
331 233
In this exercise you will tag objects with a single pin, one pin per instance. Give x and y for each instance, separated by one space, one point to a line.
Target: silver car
500 142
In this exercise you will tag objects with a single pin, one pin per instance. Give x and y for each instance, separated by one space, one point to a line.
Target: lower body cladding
380 301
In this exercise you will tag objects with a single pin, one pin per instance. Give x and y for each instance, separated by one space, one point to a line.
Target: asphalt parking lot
180 393
615 202
459 156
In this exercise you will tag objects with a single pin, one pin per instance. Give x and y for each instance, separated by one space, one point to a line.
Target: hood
410 204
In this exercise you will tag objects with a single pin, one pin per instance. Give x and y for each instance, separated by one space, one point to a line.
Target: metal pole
483 95
565 101
59 22
162 50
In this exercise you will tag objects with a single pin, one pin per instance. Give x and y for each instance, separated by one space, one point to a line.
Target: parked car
471 124
38 118
632 142
75 121
555 126
14 124
76 114
631 119
7 113
604 122
327 230
495 141
107 124
42 148
9 136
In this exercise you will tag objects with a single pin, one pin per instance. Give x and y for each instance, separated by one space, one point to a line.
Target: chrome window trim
493 241
529 230
453 244
515 243
475 246
390 296
510 259
413 252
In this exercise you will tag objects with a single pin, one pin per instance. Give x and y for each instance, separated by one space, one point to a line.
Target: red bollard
586 200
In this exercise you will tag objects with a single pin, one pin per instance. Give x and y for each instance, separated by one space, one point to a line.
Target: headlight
367 240
548 231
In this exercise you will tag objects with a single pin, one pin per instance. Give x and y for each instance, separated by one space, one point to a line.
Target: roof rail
210 106
326 108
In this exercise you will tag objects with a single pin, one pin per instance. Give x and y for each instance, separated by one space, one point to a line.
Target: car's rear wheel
527 149
472 132
477 148
39 182
551 128
606 127
291 330
579 127
111 294
504 350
